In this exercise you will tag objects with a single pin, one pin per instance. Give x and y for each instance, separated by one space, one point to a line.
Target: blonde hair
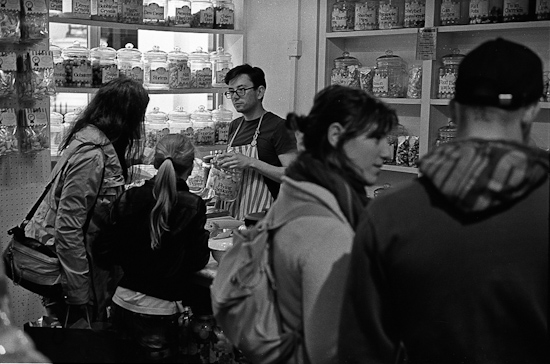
174 156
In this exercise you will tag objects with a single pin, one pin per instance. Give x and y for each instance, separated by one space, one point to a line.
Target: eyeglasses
240 92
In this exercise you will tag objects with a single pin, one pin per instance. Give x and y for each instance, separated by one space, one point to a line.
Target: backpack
244 295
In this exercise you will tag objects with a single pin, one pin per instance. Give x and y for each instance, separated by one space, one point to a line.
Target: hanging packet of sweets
34 25
402 153
34 135
9 142
8 70
10 24
36 79
414 145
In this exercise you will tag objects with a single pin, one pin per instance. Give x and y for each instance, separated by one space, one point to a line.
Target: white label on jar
224 16
388 16
415 11
108 73
366 16
82 73
206 16
183 15
447 83
82 7
107 8
159 76
339 19
59 72
220 75
136 73
132 11
543 7
479 8
204 78
450 10
153 12
184 74
379 84
222 132
205 135
515 7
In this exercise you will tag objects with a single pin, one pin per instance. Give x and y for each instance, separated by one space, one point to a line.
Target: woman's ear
334 132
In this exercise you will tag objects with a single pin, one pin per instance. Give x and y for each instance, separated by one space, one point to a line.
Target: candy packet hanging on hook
37 80
9 142
34 25
8 71
10 24
35 135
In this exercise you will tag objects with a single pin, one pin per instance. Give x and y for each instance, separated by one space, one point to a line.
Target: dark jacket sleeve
198 251
367 329
106 246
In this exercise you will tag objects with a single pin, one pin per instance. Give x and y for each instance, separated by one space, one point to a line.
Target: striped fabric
479 174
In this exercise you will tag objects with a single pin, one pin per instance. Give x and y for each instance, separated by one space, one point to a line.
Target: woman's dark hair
118 110
354 109
174 156
256 74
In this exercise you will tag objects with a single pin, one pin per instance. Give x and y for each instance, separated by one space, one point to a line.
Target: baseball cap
499 73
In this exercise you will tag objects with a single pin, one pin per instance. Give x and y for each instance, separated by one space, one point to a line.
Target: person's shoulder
274 118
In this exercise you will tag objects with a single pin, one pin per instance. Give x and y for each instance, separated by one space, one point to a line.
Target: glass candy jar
390 76
179 73
342 17
415 13
179 13
156 126
454 12
485 11
366 15
392 137
446 133
346 71
223 183
155 75
105 10
197 179
542 10
224 14
58 66
71 116
448 74
391 14
131 11
104 65
155 12
222 118
78 67
56 131
201 69
203 126
179 122
516 10
129 62
202 14
221 64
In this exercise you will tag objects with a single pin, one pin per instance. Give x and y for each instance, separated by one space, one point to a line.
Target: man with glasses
259 143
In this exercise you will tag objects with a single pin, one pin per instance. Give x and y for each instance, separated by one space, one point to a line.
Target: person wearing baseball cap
453 266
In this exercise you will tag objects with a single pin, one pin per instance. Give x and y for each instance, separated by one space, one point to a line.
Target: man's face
250 99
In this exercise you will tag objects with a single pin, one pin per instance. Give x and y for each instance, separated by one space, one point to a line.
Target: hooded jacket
310 260
455 263
61 217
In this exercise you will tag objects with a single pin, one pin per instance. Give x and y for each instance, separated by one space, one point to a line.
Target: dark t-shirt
274 139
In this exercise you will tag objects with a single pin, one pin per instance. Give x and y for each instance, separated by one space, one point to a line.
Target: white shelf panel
91 90
162 28
494 27
401 101
402 169
372 33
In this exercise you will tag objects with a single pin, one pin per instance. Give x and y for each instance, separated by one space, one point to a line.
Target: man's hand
235 160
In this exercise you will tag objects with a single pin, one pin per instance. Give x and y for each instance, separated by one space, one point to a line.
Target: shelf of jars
402 169
91 90
161 28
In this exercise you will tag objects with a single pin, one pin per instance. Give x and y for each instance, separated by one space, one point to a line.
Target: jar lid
72 115
447 131
103 51
129 52
199 55
178 55
56 50
56 118
201 114
156 116
179 114
346 60
453 58
221 113
220 55
389 59
155 54
76 50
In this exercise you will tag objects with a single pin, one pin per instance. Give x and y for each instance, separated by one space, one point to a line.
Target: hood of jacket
476 175
297 194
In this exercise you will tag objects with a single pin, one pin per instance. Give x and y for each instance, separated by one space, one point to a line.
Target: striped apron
253 196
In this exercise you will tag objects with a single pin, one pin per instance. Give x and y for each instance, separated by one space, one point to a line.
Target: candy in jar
346 71
129 62
448 74
178 69
390 77
104 65
414 86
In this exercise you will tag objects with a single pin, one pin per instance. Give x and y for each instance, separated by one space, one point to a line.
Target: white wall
269 26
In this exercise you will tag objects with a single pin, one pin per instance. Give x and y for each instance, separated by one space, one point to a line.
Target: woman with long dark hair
94 170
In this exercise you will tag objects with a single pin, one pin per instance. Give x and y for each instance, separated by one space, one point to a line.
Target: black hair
118 110
354 109
256 75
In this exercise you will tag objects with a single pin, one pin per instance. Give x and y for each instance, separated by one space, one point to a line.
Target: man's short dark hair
256 74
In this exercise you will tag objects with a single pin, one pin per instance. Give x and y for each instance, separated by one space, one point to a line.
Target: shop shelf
402 169
91 90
